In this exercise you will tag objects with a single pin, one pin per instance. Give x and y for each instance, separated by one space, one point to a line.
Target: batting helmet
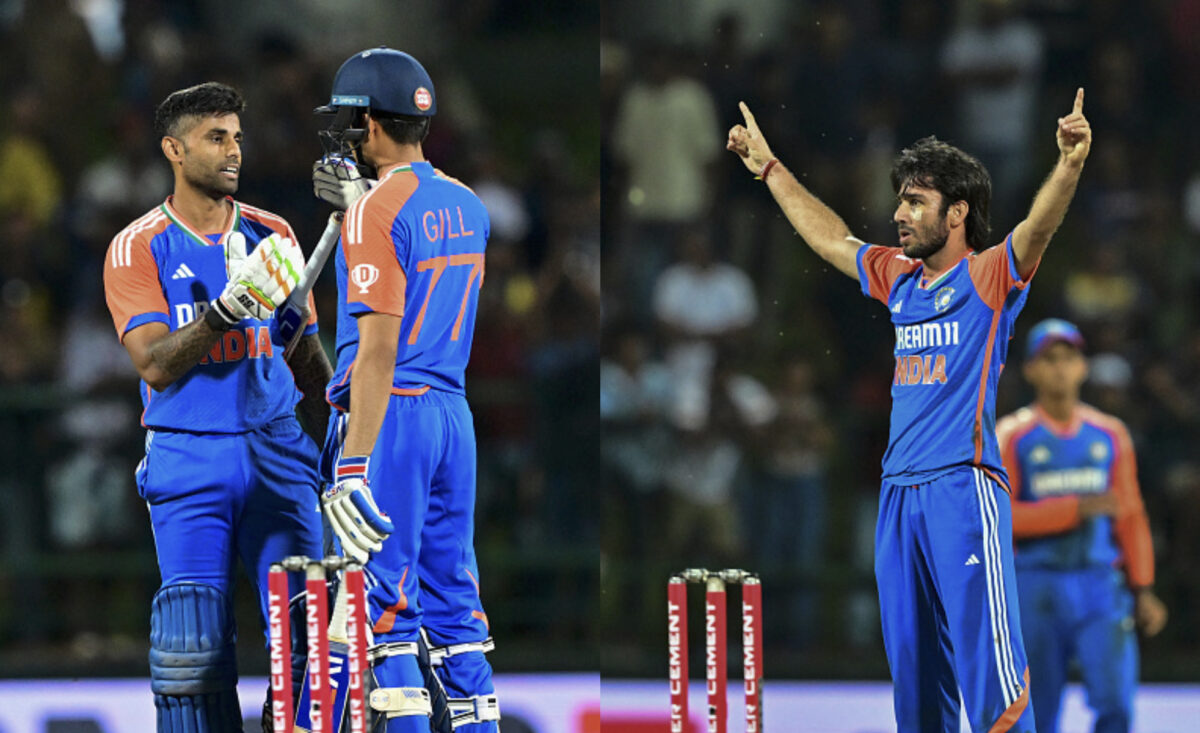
383 80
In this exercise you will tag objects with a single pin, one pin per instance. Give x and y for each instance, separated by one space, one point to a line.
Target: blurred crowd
79 160
745 384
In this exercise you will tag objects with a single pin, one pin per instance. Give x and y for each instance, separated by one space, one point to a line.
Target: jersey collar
414 167
940 278
235 219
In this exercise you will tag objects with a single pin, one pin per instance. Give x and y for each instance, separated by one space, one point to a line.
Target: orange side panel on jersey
977 431
1132 527
131 284
388 619
882 266
375 275
1010 716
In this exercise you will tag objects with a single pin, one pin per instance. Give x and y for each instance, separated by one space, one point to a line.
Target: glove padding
355 518
261 281
337 181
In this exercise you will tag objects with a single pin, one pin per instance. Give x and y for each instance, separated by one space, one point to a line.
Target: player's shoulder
387 197
441 175
137 234
990 256
1103 420
893 257
263 219
1015 424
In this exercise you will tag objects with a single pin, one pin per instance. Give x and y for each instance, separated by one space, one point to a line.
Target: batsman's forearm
820 226
370 391
176 353
312 372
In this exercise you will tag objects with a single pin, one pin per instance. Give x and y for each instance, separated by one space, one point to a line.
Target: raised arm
1032 235
816 223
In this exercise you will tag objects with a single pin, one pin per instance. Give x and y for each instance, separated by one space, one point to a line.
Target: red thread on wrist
766 169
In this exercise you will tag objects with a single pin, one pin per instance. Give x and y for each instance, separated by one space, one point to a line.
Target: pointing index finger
750 123
1078 100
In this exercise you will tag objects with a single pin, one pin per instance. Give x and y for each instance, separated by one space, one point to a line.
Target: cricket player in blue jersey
228 474
1084 556
400 454
943 542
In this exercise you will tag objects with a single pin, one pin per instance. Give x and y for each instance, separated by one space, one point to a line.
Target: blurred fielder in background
1084 557
943 556
400 453
228 473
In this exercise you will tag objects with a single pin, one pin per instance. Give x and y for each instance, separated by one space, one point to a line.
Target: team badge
1098 451
423 99
364 276
941 301
1040 454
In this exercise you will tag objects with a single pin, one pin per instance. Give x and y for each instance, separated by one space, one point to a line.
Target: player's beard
927 243
210 182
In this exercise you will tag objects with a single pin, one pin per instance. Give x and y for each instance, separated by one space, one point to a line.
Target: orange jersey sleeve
1031 518
375 276
880 266
1132 526
131 285
995 273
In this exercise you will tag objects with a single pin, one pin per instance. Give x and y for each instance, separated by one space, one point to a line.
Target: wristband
349 467
215 319
766 169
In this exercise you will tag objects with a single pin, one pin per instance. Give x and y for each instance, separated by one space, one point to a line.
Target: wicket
324 696
716 672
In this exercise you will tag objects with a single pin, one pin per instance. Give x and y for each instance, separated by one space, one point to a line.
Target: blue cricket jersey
1050 465
160 269
951 342
412 247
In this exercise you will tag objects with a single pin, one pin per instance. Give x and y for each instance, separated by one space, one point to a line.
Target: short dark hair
403 129
210 98
931 163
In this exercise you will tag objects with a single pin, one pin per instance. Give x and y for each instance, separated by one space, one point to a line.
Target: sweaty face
212 155
921 224
1057 371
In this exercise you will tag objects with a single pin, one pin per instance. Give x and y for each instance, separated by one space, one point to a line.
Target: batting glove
355 518
337 181
262 281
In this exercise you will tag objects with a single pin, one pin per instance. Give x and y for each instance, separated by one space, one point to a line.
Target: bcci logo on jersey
364 276
941 300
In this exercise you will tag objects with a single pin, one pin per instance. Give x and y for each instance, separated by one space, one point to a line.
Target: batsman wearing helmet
400 452
192 287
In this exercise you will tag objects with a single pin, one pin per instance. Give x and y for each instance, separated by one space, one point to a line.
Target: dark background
518 121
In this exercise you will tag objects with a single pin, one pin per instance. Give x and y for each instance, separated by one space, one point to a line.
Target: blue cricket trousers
947 596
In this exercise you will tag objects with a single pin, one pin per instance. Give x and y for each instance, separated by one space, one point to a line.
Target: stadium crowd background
79 160
745 384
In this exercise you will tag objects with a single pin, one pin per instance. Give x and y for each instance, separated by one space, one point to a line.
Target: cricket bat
290 316
338 662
